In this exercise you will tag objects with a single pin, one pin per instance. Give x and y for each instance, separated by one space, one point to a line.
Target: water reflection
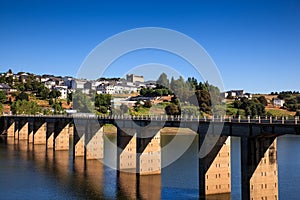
31 172
59 177
264 181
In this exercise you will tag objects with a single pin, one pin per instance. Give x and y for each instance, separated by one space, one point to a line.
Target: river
32 172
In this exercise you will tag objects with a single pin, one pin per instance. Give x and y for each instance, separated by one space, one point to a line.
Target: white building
78 83
81 84
125 89
50 84
116 89
278 102
6 88
236 94
68 81
105 89
63 90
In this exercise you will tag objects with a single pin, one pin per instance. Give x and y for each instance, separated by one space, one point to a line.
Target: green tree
147 104
22 96
251 107
21 87
2 97
1 108
172 109
58 109
43 92
25 107
190 110
163 80
9 80
183 90
82 102
103 109
192 81
263 100
54 94
103 100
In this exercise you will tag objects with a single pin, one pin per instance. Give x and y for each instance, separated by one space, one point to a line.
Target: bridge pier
253 150
61 135
78 139
126 152
88 139
50 134
264 181
23 129
94 141
214 170
39 131
148 151
11 127
139 150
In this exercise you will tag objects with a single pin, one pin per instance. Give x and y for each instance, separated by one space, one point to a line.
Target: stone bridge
138 141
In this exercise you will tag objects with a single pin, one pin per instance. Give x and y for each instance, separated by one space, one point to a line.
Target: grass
109 128
279 112
157 109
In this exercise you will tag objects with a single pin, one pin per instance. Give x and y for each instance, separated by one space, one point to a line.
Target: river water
32 172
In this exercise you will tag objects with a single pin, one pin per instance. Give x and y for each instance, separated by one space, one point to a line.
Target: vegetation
278 113
251 107
103 102
82 102
2 97
292 100
189 97
173 109
263 100
163 81
1 108
25 107
158 91
22 96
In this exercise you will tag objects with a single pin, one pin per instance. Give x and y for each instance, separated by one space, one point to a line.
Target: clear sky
254 43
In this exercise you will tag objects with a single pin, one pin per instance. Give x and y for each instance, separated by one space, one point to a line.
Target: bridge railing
257 119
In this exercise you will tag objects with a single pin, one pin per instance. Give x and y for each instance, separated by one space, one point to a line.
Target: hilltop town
27 93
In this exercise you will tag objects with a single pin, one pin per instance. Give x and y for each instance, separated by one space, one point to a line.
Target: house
278 102
95 84
81 84
236 94
120 88
125 89
63 90
105 89
50 84
6 88
23 77
67 81
78 83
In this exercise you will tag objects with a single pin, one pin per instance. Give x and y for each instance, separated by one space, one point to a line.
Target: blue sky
254 43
